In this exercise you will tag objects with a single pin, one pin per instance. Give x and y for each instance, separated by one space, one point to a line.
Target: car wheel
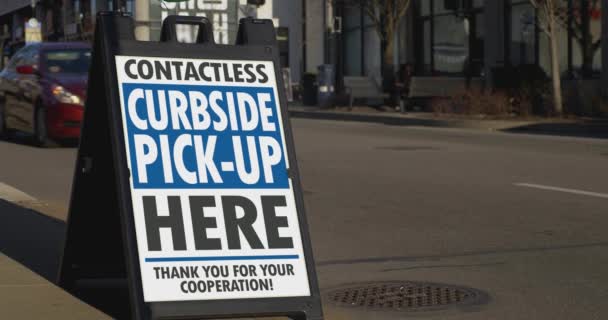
3 129
41 135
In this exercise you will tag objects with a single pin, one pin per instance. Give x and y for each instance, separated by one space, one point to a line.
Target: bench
363 88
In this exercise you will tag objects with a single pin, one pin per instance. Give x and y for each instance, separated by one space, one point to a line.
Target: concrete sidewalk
28 265
590 128
26 295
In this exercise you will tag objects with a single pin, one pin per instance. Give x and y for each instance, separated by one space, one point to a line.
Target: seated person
402 83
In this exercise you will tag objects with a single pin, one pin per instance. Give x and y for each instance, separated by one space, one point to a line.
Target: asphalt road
521 217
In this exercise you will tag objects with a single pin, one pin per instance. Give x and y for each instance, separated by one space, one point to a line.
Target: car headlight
64 96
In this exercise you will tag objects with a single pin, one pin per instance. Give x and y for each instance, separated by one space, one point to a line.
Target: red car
42 91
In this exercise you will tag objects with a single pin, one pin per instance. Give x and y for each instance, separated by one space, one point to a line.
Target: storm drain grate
405 296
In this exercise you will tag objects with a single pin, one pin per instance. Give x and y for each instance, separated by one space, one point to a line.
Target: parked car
42 91
8 50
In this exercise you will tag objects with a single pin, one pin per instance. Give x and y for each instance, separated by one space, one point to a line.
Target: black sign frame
100 262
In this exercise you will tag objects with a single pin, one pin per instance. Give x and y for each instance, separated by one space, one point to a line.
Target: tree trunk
389 48
388 71
555 72
587 42
588 54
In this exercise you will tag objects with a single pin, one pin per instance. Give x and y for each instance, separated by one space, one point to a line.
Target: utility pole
142 20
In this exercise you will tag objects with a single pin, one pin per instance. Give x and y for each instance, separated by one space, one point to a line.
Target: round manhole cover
405 296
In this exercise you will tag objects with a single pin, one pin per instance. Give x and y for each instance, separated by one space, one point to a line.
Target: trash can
309 89
326 86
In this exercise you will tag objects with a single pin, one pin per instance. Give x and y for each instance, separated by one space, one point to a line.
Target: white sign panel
213 204
221 13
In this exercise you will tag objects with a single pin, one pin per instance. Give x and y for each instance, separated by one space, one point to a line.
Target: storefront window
597 60
425 7
371 42
578 38
352 41
478 3
361 44
596 32
427 66
452 37
477 49
440 8
586 36
450 44
404 56
523 33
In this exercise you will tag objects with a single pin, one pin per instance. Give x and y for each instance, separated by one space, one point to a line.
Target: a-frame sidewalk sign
186 200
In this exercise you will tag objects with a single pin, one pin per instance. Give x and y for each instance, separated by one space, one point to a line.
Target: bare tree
589 10
578 19
385 16
548 21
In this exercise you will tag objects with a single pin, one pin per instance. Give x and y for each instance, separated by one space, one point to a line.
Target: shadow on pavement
380 118
25 140
32 239
36 241
583 129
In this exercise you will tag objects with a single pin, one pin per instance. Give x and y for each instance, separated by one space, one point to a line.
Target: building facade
463 38
75 20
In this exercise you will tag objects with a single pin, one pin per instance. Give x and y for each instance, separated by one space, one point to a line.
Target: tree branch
392 11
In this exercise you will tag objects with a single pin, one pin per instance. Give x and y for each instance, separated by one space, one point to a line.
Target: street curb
407 120
581 128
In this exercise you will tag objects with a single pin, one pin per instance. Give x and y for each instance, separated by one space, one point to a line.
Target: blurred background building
75 19
485 42
478 40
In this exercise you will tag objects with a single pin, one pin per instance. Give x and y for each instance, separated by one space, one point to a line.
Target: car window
67 60
31 57
15 60
9 51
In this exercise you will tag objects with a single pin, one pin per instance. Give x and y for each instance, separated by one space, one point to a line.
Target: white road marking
566 190
11 194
